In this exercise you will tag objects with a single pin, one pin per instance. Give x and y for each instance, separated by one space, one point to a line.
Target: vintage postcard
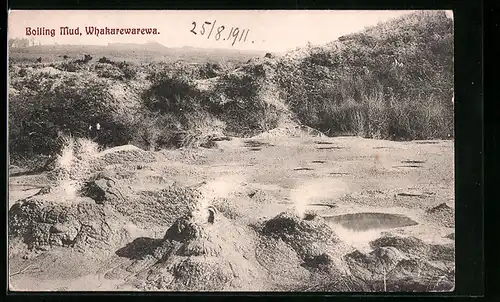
258 150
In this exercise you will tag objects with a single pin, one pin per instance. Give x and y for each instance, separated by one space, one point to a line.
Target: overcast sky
268 30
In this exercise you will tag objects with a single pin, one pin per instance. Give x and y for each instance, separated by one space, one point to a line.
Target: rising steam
223 187
314 191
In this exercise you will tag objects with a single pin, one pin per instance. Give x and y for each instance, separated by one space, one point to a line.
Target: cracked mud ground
141 231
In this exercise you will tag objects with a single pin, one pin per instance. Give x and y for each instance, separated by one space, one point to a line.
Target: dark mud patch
413 161
383 148
416 194
409 166
339 173
318 161
331 206
330 148
370 221
323 143
255 143
303 169
139 248
255 149
222 138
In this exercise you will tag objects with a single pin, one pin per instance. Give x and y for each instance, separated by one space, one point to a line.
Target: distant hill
145 52
149 46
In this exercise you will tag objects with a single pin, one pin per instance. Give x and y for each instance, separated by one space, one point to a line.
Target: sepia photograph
231 150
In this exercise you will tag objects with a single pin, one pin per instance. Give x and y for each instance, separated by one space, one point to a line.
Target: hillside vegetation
392 81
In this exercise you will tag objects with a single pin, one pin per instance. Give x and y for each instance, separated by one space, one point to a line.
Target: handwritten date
235 34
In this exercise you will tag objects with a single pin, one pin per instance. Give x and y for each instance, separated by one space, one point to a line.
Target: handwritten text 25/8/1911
220 32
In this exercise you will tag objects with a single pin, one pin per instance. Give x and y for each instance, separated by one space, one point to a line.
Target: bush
172 92
390 81
129 71
46 107
199 130
154 131
107 68
248 100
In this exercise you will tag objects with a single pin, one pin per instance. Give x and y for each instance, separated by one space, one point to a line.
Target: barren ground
351 174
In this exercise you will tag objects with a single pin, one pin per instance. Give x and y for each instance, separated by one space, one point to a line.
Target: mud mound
309 238
418 276
404 264
442 214
123 154
261 197
282 263
193 255
42 224
388 269
372 266
228 208
101 189
408 245
415 247
157 208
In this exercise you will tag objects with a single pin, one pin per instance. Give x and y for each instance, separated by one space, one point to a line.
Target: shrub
45 107
154 131
392 80
129 71
199 130
173 94
248 100
105 60
105 70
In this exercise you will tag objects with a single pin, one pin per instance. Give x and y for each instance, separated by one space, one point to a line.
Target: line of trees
22 42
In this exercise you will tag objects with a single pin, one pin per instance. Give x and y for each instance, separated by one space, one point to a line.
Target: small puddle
359 229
